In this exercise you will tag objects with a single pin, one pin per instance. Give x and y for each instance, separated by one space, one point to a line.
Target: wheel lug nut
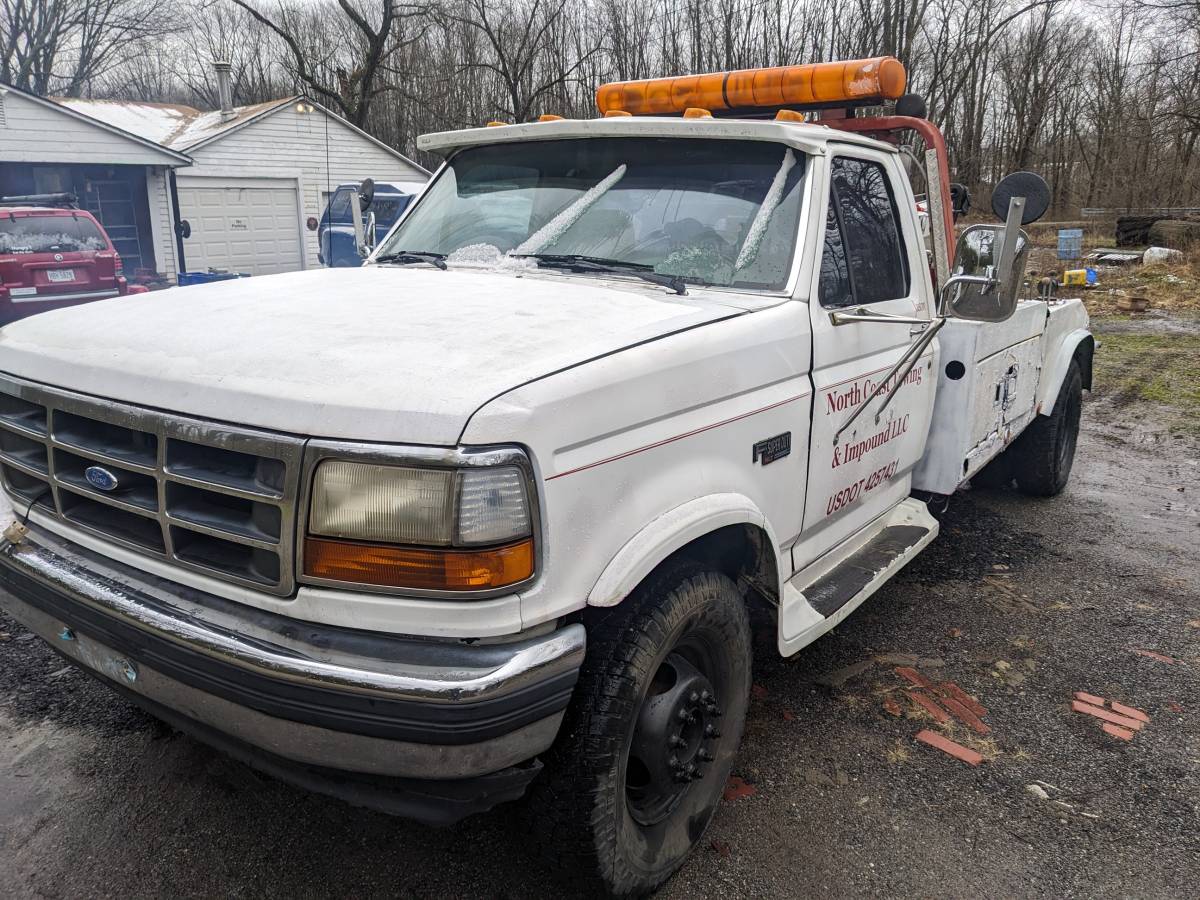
694 697
677 741
704 755
683 715
712 731
674 762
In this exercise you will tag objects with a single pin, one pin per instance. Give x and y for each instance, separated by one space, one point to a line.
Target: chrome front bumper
339 699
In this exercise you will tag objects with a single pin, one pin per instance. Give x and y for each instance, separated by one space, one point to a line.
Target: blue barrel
1070 243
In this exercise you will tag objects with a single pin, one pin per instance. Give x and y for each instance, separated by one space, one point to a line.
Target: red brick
1123 721
892 707
1154 654
1089 698
736 788
958 751
913 676
965 715
1131 711
950 689
1118 732
931 706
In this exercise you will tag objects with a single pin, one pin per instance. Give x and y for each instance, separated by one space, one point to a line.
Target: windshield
718 212
49 234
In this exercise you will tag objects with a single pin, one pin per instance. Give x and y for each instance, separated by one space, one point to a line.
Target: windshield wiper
407 257
580 263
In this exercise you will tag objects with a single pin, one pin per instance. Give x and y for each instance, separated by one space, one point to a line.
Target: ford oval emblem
99 477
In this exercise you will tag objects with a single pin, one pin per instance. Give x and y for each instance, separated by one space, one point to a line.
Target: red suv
52 257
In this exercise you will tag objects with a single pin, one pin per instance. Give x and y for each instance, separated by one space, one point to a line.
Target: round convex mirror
1029 185
366 192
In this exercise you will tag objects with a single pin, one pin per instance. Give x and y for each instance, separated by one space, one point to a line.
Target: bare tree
355 62
61 45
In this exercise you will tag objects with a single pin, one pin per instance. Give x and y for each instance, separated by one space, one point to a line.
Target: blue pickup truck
335 231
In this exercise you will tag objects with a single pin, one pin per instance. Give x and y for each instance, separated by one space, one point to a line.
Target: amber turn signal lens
424 569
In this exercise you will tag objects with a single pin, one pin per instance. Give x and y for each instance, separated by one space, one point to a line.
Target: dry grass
1173 288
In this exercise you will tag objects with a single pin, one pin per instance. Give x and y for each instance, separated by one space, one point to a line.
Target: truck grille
207 496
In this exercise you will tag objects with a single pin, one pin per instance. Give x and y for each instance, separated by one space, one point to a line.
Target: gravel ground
1020 602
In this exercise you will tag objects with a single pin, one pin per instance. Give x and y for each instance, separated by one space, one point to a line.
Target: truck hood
370 354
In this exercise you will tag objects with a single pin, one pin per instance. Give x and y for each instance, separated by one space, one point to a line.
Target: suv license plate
61 274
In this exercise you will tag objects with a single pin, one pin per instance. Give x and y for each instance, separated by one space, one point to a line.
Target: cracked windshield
702 211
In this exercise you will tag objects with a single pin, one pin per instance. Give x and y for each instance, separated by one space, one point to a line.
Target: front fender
670 532
1054 367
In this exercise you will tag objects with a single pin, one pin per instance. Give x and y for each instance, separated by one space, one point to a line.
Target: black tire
1043 455
996 475
598 813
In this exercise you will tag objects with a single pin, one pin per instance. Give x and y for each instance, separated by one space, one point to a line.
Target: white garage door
247 225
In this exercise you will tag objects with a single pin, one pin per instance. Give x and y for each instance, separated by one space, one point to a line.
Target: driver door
871 257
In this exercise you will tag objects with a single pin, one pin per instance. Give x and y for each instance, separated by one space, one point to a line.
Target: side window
834 289
863 260
339 207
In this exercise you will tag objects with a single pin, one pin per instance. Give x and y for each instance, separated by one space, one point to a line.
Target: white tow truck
485 517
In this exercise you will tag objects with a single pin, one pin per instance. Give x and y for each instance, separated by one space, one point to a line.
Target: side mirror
369 235
987 272
989 260
364 233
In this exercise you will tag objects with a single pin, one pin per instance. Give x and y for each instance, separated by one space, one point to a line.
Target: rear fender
670 532
1078 344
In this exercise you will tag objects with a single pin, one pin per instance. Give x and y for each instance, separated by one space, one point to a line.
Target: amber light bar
425 569
814 84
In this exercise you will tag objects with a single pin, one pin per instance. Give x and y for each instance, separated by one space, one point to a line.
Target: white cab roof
809 137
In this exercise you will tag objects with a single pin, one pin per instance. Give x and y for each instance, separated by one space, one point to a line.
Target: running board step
831 592
826 592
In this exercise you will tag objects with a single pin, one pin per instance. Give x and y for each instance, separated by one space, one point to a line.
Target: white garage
249 177
248 225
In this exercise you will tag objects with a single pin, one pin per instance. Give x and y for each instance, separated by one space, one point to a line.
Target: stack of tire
1134 231
1159 231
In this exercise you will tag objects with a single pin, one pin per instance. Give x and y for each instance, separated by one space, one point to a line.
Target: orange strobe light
815 84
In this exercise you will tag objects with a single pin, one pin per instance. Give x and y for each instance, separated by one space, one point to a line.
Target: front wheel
1042 457
648 742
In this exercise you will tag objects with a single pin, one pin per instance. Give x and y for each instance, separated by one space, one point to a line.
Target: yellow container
1076 277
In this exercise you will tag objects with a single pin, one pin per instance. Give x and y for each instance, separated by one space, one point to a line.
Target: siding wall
162 224
292 145
33 132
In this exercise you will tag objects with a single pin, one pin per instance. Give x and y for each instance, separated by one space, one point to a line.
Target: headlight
390 504
424 528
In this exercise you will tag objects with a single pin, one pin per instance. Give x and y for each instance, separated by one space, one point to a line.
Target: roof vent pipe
224 89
